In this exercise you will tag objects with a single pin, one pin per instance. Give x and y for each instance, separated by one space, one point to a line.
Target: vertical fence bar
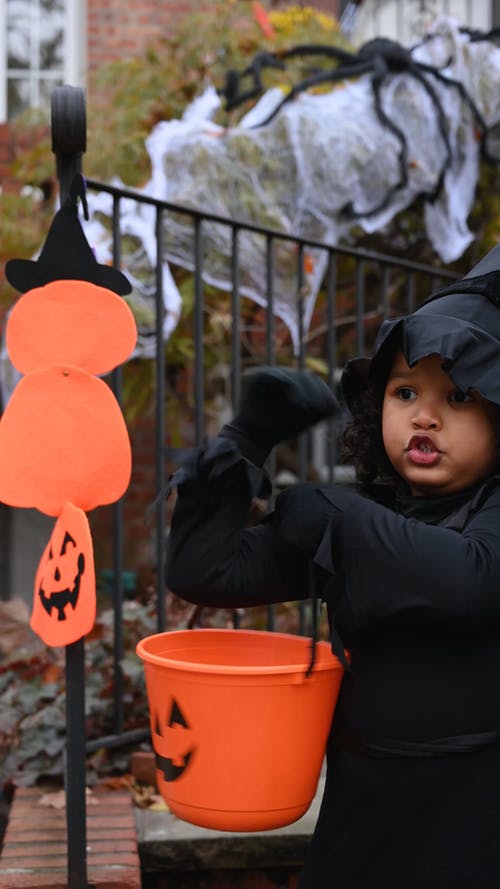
270 344
302 443
117 521
386 299
74 778
199 420
270 360
303 438
235 341
410 293
331 354
160 439
360 307
235 315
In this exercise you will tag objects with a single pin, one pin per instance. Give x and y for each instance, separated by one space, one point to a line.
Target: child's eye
460 397
404 393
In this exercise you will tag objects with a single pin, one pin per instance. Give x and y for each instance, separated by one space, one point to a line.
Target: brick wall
121 28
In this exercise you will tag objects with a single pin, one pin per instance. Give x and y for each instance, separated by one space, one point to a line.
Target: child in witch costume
408 562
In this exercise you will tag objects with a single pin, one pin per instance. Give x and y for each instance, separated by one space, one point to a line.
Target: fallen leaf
158 804
56 799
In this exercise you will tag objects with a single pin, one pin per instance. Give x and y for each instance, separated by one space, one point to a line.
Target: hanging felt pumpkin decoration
64 603
64 445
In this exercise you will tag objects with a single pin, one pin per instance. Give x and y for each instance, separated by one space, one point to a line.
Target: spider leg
317 49
450 81
231 89
476 36
416 72
340 73
431 92
403 152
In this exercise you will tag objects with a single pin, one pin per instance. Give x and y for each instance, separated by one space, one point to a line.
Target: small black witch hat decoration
66 254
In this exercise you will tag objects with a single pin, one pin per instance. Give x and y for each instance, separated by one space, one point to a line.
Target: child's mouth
423 451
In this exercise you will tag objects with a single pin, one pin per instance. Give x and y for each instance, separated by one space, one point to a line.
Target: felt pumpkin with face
172 744
64 603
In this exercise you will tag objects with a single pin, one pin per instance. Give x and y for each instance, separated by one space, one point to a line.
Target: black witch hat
460 322
66 254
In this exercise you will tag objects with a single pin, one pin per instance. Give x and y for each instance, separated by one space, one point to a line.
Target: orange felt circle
63 437
70 322
64 601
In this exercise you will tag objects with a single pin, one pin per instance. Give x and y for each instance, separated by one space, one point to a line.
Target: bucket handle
195 618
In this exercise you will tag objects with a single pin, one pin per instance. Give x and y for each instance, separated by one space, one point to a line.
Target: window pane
19 31
36 47
51 50
51 33
18 96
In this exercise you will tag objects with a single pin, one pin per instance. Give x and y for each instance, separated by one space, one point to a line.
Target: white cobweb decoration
297 175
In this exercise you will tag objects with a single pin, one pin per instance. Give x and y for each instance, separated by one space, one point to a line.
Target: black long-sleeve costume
412 796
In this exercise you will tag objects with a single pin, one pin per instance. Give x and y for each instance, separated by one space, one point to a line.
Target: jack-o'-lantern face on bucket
172 744
64 597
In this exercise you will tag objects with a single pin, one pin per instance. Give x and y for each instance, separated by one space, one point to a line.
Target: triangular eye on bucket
66 253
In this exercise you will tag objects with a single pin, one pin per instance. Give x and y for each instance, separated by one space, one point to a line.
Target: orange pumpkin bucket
238 728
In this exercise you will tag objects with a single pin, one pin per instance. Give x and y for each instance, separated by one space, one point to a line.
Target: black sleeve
391 564
213 558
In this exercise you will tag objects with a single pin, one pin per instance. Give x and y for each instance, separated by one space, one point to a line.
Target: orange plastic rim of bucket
238 729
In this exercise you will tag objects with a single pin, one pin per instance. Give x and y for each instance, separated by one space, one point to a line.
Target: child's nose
426 417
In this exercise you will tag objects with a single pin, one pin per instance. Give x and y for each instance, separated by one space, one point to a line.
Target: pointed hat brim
65 255
460 322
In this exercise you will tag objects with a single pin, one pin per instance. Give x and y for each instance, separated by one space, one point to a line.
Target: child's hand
278 403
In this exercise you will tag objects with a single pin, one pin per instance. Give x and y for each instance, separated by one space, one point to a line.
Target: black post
68 144
74 777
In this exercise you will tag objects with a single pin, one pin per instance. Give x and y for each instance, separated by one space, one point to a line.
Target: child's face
438 439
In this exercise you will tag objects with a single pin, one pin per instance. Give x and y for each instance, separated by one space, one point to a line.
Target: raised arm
213 557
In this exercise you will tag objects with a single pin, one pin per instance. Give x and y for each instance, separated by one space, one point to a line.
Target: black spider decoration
380 58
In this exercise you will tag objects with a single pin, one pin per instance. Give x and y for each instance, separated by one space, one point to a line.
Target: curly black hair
361 443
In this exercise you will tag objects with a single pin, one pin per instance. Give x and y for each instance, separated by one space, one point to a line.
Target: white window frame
389 18
74 48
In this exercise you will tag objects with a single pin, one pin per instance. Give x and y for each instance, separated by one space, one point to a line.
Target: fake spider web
325 163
